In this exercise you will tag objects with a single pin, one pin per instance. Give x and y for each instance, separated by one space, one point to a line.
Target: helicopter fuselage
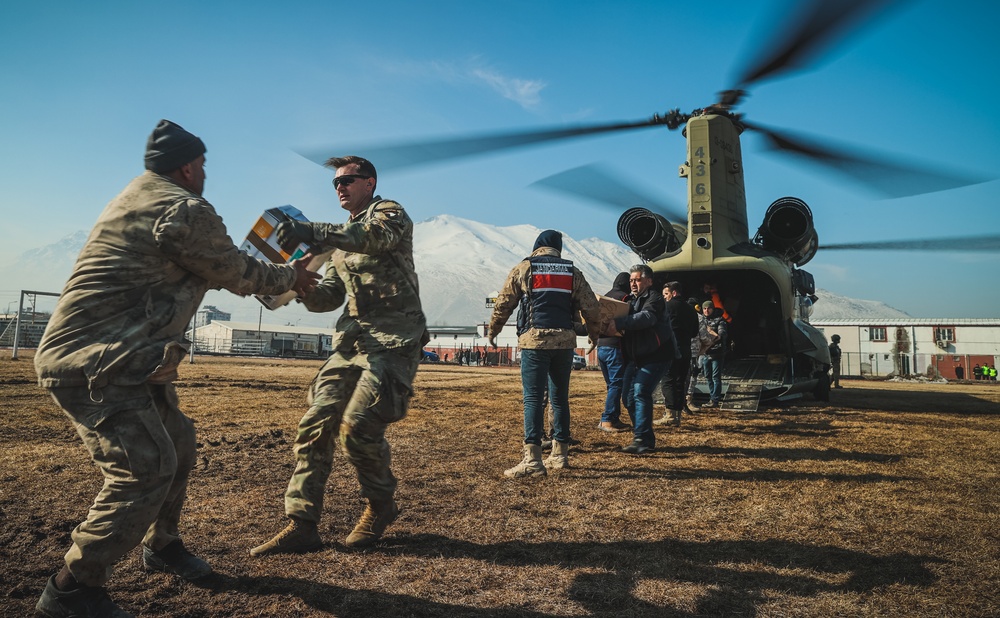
772 345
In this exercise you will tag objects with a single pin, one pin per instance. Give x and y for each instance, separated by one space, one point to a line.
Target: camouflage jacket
371 268
584 302
153 253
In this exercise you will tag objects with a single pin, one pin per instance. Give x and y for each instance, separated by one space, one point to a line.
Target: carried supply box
611 309
262 243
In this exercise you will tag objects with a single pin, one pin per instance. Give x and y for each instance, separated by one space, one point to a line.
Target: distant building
209 314
251 338
906 346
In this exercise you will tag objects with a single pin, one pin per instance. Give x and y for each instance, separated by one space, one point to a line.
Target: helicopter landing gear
822 390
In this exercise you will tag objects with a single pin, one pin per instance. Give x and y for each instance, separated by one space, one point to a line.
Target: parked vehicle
430 357
579 362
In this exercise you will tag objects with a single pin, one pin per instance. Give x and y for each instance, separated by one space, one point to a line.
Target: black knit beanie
549 238
622 282
170 146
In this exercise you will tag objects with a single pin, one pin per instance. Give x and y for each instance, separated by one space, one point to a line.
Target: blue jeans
712 367
613 367
541 369
640 380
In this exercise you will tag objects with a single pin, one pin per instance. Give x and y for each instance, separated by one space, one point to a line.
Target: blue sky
84 84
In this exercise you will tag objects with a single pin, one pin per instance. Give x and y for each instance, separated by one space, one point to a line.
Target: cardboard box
611 309
262 243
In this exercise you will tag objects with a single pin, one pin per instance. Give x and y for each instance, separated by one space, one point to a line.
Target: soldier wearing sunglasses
367 383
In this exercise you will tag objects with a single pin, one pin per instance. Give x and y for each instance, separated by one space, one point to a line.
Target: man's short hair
364 165
643 270
674 286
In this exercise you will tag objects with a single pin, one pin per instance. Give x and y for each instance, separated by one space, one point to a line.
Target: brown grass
882 503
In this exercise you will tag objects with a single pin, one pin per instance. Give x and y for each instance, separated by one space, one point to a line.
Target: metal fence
881 365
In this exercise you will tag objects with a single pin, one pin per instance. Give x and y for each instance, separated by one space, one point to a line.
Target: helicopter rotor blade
590 182
413 154
810 31
875 171
966 244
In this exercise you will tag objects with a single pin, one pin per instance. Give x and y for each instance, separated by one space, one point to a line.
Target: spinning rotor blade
815 26
874 171
966 244
589 182
397 156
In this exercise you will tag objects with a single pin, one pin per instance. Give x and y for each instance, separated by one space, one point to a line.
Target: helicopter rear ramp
748 380
741 398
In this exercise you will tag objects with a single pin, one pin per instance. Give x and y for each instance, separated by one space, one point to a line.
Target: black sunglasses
346 179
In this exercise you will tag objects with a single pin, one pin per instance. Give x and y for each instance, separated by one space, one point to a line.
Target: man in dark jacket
609 356
649 349
684 324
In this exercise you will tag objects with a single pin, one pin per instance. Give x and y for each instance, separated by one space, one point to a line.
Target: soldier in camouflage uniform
111 351
367 382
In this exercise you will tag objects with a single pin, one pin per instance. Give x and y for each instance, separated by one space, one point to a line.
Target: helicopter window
877 333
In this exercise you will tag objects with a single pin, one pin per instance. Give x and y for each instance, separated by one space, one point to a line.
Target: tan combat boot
691 407
666 419
297 537
559 458
376 518
531 465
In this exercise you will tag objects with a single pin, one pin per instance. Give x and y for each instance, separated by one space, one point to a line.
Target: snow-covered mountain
832 306
460 263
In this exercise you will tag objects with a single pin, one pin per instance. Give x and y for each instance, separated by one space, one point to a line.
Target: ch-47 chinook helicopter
775 352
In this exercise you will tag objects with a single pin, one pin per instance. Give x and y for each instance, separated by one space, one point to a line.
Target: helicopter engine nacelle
649 234
788 230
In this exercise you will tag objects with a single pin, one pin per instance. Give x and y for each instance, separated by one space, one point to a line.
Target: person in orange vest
712 294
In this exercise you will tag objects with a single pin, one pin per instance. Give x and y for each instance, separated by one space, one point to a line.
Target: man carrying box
367 383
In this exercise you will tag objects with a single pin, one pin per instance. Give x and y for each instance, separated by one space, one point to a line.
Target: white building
902 346
226 337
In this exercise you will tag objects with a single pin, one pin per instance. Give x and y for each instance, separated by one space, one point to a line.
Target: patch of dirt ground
882 502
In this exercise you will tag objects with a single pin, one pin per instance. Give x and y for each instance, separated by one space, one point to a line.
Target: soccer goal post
30 321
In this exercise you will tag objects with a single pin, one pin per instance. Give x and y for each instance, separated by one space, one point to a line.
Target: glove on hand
291 233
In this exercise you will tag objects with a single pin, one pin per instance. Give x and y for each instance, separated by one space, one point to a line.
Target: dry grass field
883 502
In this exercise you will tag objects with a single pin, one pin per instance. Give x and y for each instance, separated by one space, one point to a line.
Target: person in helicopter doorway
835 355
715 355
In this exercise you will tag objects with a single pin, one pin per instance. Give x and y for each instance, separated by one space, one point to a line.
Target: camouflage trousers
353 398
145 448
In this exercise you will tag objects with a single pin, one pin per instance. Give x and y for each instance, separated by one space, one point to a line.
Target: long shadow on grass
735 577
921 402
823 428
348 602
784 454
